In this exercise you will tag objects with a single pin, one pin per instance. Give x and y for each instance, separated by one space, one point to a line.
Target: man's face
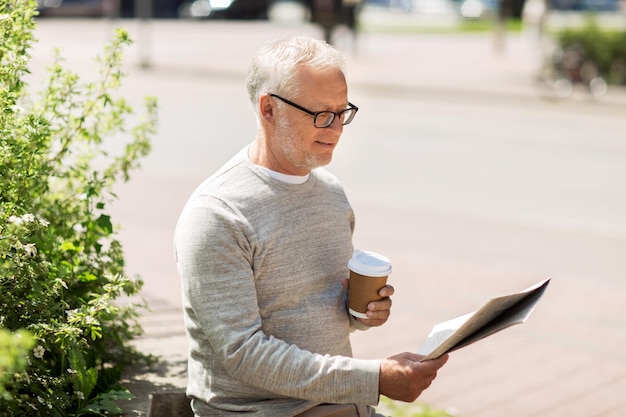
298 145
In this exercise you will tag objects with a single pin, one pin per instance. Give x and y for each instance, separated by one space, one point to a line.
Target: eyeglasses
325 118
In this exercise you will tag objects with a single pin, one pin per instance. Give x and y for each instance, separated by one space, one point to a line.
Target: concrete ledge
170 404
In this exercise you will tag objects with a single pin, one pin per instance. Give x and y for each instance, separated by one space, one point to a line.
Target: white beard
287 142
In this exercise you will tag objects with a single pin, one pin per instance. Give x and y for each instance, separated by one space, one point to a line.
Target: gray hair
275 64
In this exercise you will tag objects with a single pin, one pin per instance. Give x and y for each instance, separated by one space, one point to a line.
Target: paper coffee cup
368 274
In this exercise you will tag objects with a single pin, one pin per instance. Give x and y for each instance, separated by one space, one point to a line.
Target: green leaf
105 224
68 246
85 379
87 277
105 404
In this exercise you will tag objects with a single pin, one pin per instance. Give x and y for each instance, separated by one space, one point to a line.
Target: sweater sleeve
215 261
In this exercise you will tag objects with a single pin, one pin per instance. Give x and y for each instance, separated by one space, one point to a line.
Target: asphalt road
472 192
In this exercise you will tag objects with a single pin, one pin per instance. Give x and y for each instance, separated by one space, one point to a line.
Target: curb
159 389
169 404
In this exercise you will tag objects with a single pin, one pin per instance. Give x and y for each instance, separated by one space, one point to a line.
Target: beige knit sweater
261 262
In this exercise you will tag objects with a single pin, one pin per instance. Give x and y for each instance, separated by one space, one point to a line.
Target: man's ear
266 108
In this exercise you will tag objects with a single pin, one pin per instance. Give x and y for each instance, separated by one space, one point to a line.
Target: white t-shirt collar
289 179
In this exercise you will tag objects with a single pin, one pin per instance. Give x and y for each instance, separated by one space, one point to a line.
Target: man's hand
403 377
378 312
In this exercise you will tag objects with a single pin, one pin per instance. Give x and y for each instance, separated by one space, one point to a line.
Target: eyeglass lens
325 118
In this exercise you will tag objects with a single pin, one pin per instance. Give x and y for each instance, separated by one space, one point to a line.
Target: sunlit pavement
567 361
461 63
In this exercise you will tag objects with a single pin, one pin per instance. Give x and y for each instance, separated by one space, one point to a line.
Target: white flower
16 220
89 320
44 222
40 399
30 249
79 228
72 371
39 351
26 218
80 395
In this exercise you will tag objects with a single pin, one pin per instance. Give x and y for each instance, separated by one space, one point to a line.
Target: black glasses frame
352 108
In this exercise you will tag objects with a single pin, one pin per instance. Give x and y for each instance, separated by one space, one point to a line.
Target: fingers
381 305
377 319
404 378
438 363
386 291
378 312
425 374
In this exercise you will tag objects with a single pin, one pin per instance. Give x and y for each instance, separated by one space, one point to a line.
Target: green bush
14 349
604 48
62 273
416 409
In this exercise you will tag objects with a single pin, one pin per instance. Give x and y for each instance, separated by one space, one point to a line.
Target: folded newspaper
495 315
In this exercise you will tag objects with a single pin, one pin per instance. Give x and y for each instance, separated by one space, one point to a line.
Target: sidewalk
399 65
164 337
462 64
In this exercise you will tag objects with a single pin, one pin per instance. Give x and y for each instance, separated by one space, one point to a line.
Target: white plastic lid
369 264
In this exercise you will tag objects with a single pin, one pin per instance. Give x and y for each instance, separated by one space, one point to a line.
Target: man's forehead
321 82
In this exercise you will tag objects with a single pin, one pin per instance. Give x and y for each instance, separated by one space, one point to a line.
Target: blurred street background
458 166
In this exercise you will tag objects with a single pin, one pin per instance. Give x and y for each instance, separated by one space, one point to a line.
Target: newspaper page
497 314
